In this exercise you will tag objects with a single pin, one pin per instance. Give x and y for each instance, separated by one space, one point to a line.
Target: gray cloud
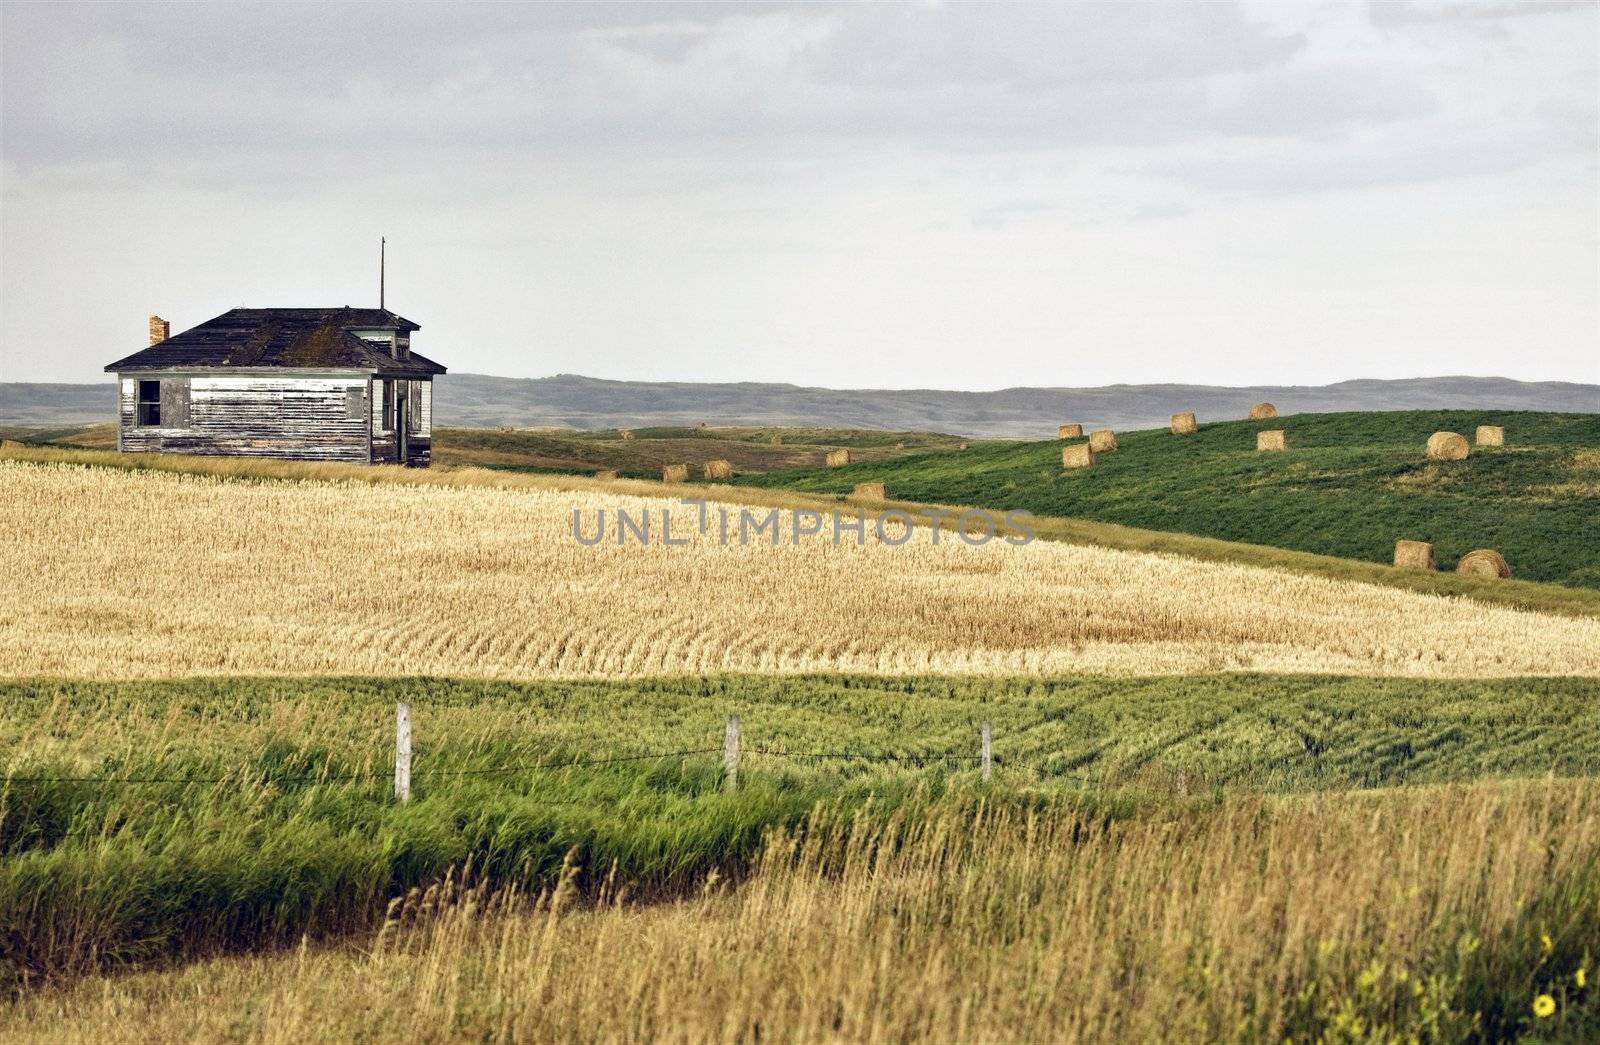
1433 12
187 90
862 193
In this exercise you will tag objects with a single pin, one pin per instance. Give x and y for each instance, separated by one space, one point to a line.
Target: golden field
115 574
1434 914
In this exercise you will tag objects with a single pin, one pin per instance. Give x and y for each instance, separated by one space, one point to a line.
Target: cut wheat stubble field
126 575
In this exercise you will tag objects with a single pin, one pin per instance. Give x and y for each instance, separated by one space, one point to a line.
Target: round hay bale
1484 562
1272 439
963 446
838 458
719 469
1413 555
1069 431
1102 440
1447 446
1490 435
1262 411
627 436
1078 455
675 473
871 491
606 473
1184 424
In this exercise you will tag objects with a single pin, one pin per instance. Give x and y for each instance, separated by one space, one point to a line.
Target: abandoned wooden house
327 384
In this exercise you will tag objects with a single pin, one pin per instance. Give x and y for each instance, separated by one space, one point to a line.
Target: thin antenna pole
382 245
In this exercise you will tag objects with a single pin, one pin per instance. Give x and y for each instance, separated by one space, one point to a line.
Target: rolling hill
573 401
1350 485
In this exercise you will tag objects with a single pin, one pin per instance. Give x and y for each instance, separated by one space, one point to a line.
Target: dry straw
1184 424
820 606
1484 562
606 473
1102 440
1069 432
1262 411
1272 439
675 473
1491 435
1413 555
1447 446
838 458
10 444
719 469
871 491
1078 455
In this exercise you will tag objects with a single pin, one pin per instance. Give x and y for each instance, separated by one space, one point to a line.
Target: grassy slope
141 870
89 437
1350 485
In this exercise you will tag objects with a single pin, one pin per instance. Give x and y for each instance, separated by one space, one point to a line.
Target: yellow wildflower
1581 977
1543 1006
1547 943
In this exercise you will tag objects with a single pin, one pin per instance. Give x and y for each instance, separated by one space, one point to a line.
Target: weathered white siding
425 409
325 417
255 416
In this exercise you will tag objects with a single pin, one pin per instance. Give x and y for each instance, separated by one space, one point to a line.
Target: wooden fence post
402 752
730 754
988 753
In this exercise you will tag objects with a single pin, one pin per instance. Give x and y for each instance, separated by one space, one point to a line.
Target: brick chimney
159 330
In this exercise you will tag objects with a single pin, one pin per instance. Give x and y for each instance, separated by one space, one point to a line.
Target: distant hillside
1349 485
567 400
60 406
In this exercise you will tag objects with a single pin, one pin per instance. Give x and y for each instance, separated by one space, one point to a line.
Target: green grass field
1349 486
289 825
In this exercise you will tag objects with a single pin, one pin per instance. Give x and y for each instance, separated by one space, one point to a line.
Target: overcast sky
952 195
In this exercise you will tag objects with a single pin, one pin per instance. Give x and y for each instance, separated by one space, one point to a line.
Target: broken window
355 403
148 410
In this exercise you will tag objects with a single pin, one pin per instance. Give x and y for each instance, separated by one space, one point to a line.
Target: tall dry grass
1429 915
123 574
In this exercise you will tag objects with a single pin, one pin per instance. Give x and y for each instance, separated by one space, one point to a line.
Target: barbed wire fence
1055 768
732 751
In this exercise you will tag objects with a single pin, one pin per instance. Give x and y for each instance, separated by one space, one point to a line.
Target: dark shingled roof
309 338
